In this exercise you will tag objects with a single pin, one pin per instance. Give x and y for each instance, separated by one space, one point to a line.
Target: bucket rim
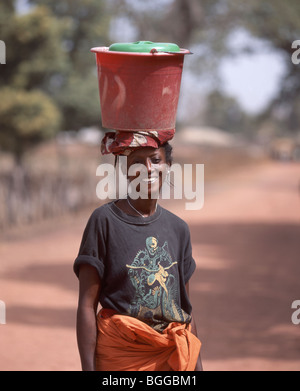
105 49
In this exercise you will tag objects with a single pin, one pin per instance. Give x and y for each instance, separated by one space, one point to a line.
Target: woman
136 260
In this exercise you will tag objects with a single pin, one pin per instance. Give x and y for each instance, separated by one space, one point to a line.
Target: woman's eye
156 161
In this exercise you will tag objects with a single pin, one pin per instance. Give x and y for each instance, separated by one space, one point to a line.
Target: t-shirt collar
137 220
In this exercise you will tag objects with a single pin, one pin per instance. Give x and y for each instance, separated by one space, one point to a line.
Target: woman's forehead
146 152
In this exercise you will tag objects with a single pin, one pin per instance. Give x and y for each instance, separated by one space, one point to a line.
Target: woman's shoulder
101 212
175 220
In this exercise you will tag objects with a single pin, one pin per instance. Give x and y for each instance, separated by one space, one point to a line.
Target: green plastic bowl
144 47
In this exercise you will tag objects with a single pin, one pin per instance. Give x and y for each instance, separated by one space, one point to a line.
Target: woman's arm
86 327
194 331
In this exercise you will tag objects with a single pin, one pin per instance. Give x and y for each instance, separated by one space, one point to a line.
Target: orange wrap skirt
125 343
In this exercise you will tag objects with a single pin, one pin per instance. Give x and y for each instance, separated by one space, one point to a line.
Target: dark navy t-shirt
143 263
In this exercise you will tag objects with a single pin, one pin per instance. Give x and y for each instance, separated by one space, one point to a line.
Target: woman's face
146 170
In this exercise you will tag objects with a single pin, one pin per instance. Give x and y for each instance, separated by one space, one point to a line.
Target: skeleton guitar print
154 276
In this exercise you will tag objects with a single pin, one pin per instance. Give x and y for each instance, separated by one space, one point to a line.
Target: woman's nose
149 165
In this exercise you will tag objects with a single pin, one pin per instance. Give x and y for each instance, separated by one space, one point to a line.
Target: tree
34 55
76 90
26 119
27 114
228 116
277 24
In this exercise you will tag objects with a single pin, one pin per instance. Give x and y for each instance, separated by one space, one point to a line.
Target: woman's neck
143 207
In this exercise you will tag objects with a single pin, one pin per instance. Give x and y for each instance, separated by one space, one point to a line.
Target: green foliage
7 9
26 118
49 80
277 23
79 100
27 114
224 112
34 52
88 25
76 91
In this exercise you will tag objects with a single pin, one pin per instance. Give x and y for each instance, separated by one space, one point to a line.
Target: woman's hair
168 152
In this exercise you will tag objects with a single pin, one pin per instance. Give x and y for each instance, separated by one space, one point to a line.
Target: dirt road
246 241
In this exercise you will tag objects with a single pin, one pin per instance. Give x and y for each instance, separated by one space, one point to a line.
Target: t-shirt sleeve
92 248
189 262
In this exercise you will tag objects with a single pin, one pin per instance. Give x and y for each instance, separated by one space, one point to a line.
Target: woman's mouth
150 180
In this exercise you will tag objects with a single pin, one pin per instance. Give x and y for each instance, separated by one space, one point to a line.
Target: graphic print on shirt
154 276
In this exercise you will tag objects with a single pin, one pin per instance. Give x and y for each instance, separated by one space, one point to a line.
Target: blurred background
238 114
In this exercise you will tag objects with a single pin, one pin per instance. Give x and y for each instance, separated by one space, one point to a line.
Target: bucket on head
139 85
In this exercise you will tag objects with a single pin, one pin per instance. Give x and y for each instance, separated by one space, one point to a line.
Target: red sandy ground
247 246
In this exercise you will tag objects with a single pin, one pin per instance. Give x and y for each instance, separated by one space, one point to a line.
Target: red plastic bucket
139 91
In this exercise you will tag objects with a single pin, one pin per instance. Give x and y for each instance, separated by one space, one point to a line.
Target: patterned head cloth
124 142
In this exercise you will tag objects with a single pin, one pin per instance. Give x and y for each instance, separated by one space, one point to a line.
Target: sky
252 78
